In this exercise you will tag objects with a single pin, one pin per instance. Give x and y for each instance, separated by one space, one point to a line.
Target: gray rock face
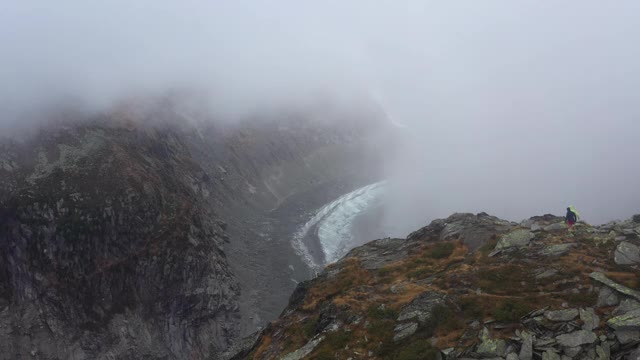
404 330
516 238
576 338
627 254
562 315
422 308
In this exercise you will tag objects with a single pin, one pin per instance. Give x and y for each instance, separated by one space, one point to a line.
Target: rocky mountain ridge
529 291
130 234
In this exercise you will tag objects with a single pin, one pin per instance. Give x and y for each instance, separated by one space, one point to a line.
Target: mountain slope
531 289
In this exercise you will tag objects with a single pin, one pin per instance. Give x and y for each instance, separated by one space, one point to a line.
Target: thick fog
513 108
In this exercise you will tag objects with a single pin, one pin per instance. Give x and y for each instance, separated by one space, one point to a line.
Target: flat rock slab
576 338
628 321
557 250
627 254
562 315
602 278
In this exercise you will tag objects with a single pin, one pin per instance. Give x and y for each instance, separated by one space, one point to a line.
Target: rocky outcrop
551 296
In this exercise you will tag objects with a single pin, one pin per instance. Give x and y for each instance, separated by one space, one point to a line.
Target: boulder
627 254
627 321
517 238
600 277
590 320
562 315
536 227
512 356
576 338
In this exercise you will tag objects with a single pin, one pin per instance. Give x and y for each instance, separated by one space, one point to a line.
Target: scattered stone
600 277
589 318
562 315
627 254
576 338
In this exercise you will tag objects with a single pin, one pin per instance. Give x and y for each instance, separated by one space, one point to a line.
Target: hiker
571 217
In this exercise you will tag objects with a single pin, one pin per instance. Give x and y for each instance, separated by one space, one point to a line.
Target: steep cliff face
530 290
132 235
108 250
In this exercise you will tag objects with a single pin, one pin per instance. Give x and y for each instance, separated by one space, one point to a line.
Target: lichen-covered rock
627 254
627 321
516 238
491 347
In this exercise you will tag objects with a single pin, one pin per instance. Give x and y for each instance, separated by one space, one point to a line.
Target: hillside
529 290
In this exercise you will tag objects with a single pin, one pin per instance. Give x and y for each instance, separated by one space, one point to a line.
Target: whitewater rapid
332 224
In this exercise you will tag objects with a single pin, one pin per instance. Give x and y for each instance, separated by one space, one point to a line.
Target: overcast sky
512 107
